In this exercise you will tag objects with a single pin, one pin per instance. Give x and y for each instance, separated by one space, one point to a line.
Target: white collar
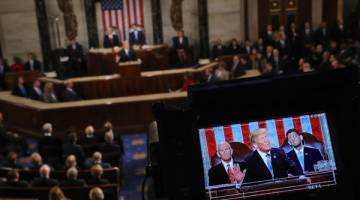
47 134
225 164
301 151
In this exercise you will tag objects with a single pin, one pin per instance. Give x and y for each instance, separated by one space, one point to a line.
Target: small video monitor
267 157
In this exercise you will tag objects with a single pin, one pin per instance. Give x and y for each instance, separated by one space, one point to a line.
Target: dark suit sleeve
212 177
290 165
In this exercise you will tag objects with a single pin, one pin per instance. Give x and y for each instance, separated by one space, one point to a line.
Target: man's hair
47 127
72 137
292 130
13 174
96 170
96 193
36 158
218 145
97 157
71 160
109 137
56 193
72 173
256 133
44 171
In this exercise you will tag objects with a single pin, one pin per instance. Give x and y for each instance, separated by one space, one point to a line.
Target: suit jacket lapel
263 166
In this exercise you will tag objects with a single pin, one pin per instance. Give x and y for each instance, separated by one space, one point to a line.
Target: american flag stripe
297 123
237 133
210 141
271 127
280 131
246 134
122 17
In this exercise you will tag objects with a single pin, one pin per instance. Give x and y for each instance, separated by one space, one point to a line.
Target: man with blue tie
20 89
126 54
304 157
266 163
136 36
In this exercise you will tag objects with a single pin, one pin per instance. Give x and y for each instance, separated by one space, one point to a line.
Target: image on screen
278 155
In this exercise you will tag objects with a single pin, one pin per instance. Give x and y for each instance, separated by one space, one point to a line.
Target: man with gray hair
44 180
72 178
229 170
266 162
48 141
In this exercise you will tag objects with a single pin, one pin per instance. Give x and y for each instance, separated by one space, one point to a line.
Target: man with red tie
228 171
111 38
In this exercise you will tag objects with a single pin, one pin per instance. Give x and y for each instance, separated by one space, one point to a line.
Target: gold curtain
176 14
71 24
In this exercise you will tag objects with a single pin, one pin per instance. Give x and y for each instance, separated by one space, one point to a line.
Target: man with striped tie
266 163
228 171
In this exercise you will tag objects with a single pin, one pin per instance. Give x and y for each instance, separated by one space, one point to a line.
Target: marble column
203 28
253 18
92 30
157 22
316 12
44 33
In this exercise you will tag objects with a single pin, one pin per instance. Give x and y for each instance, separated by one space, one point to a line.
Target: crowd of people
288 50
72 157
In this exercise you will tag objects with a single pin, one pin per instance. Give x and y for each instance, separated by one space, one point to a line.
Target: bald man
44 180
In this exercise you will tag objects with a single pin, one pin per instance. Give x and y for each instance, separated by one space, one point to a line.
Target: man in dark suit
44 180
72 179
49 141
76 57
127 53
20 89
237 68
109 145
90 137
268 36
71 148
4 68
13 180
304 157
32 63
96 159
181 46
69 93
228 171
36 92
323 34
218 49
96 173
136 36
111 39
266 163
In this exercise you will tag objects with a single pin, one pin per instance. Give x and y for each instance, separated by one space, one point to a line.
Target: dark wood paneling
329 10
264 16
304 12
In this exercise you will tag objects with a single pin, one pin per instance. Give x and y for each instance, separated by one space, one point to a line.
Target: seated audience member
304 157
136 36
49 93
47 139
269 53
4 68
72 148
237 69
109 145
259 45
96 159
234 47
13 180
126 54
181 46
187 82
36 92
9 141
279 64
96 173
268 70
36 161
20 89
44 180
12 161
221 73
259 62
245 64
69 94
32 64
218 49
247 48
70 162
56 193
90 137
306 67
76 55
96 193
72 179
209 75
111 38
117 137
17 66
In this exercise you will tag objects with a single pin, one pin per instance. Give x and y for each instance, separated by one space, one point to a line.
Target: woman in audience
96 194
56 193
17 66
49 94
36 161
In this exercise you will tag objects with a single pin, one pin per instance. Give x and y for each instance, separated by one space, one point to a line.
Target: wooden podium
129 70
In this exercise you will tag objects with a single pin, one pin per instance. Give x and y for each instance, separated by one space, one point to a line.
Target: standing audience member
32 64
49 93
36 92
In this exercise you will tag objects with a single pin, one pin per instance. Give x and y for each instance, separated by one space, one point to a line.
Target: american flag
122 14
209 137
